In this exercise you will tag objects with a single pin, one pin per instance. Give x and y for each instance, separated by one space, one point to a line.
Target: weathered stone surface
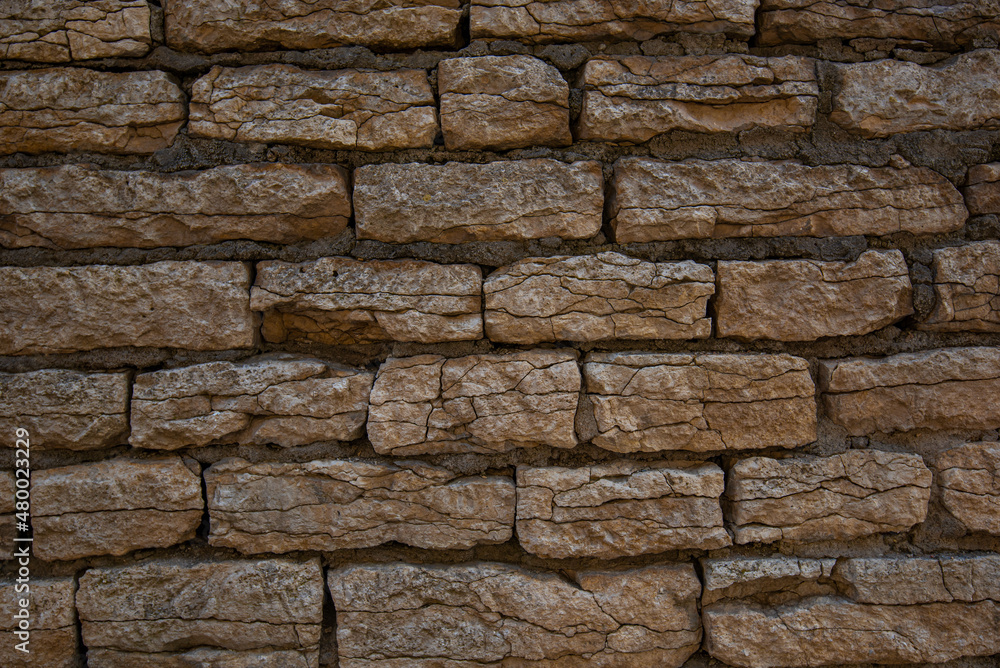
887 97
845 496
53 640
803 300
173 612
115 506
969 477
429 404
203 656
982 193
919 580
502 102
542 21
219 25
335 504
488 615
66 409
949 388
966 288
58 31
634 98
279 398
333 109
597 297
649 402
651 200
621 508
341 301
79 206
8 531
496 201
772 578
74 109
193 305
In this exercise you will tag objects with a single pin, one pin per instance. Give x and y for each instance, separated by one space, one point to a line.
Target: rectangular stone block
488 614
948 388
804 300
906 580
114 507
336 505
429 404
337 300
651 200
8 529
651 402
58 31
453 203
778 577
966 289
840 497
332 109
64 109
617 509
53 642
66 409
631 99
280 399
969 477
887 97
982 191
170 304
79 206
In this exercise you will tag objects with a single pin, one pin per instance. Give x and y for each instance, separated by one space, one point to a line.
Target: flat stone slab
966 288
765 577
969 477
982 192
53 642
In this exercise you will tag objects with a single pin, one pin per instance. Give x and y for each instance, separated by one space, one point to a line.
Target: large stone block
334 504
192 305
982 192
488 615
966 288
969 477
651 200
429 404
769 578
621 508
65 109
53 641
631 99
651 402
278 398
333 109
341 301
79 206
497 201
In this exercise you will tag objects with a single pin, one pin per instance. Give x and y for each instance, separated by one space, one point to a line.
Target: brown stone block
982 192
966 288
969 477
53 642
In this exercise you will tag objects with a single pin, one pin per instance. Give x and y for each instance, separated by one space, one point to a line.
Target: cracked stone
966 289
487 615
8 530
336 300
332 109
80 206
622 508
780 578
497 201
982 192
429 404
969 477
651 402
333 505
53 641
905 580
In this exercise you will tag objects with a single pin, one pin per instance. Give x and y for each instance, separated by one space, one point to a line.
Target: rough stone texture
480 403
803 300
778 577
193 305
78 206
966 288
341 301
635 98
279 398
219 25
66 409
649 402
542 21
8 531
496 201
900 580
887 97
650 200
114 507
58 31
969 478
334 109
982 193
502 102
621 508
950 388
53 642
599 297
841 497
173 612
74 109
487 615
335 504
